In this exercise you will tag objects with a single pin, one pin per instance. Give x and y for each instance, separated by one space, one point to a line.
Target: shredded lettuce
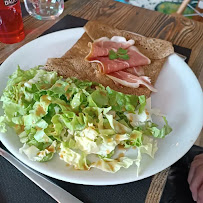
142 101
76 159
112 165
75 119
2 124
34 154
151 129
149 146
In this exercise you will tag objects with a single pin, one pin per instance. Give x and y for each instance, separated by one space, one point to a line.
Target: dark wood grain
198 17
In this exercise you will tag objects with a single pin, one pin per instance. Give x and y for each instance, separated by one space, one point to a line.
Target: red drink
11 23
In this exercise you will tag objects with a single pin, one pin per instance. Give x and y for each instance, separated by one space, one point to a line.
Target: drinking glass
11 23
44 9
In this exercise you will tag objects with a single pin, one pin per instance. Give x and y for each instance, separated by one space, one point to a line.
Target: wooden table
176 29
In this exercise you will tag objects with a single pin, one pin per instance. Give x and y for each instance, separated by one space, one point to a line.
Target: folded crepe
73 64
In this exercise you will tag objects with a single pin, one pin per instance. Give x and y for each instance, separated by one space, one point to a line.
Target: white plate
179 97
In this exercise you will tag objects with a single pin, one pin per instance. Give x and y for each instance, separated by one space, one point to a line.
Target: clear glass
44 9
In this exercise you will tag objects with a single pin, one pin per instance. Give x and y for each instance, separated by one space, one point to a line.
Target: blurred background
170 6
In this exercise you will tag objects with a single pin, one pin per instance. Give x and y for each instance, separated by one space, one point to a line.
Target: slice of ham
102 46
130 80
109 66
100 50
137 71
129 73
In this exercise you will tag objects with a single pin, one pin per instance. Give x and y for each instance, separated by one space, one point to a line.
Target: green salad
82 122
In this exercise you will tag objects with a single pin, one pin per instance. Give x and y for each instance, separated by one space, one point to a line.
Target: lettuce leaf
35 154
149 147
135 140
112 165
151 129
2 124
121 102
77 160
142 101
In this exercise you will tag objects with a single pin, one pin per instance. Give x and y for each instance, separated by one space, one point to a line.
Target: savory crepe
73 63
